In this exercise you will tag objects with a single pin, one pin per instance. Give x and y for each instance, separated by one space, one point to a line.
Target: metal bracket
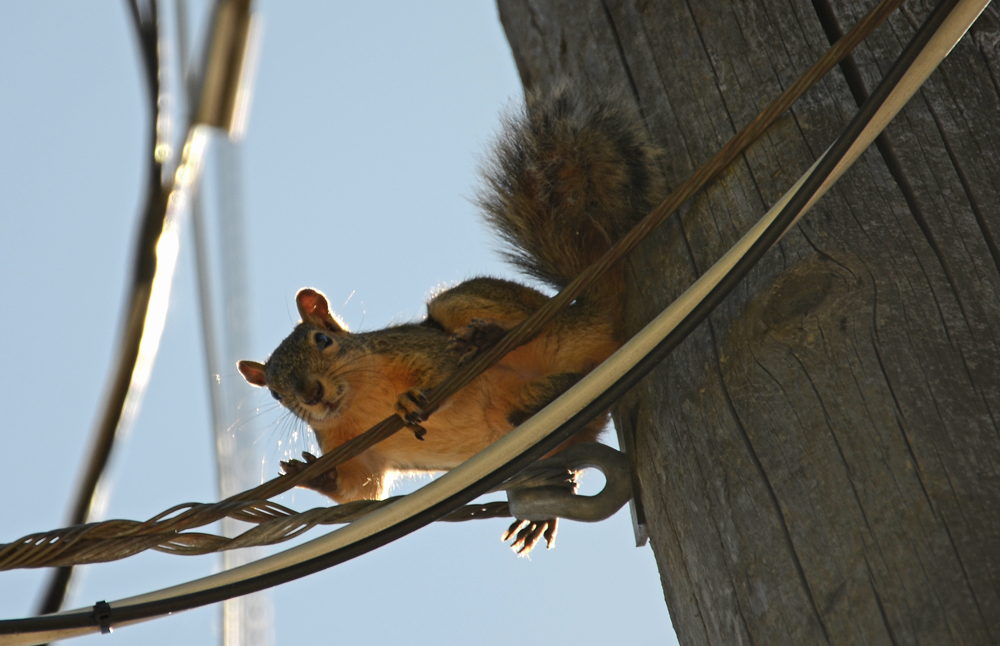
624 424
539 503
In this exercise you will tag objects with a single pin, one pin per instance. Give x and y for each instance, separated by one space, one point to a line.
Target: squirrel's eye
275 395
322 341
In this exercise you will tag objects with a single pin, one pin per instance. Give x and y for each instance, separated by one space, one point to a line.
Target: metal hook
544 503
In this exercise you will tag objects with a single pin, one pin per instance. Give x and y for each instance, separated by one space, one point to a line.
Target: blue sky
367 123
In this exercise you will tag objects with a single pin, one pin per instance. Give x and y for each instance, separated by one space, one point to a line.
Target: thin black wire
557 436
151 225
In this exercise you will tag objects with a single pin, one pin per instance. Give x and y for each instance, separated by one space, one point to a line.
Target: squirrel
565 181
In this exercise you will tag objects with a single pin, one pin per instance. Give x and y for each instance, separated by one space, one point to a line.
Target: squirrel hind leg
503 301
526 534
469 340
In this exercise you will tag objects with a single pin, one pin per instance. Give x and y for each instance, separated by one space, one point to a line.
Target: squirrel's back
566 180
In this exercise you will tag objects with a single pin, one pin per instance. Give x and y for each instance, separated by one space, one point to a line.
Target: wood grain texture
820 463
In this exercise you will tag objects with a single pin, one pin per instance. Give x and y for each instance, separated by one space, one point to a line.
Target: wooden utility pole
820 461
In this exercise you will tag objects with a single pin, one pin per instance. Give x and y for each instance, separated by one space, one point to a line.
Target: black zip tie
102 616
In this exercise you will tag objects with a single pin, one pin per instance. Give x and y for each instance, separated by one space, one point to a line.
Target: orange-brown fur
369 385
566 181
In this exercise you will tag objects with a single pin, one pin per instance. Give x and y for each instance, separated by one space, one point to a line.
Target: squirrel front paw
411 407
526 534
325 483
478 335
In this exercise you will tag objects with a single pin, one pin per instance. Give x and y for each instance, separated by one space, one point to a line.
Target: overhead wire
157 247
142 323
25 552
935 38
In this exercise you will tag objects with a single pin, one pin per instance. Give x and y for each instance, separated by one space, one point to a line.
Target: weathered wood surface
820 463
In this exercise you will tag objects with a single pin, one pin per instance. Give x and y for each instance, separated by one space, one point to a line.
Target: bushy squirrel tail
566 180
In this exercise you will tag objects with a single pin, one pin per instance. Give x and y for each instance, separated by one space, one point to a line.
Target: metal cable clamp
546 502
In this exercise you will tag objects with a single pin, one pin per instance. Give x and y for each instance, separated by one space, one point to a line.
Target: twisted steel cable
42 549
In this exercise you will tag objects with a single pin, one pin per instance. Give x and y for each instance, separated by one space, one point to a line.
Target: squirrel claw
478 335
527 533
324 483
410 406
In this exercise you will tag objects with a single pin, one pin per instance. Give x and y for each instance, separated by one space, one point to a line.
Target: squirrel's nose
314 397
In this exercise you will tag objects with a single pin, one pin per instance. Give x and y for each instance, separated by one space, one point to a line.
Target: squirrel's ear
315 310
253 372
